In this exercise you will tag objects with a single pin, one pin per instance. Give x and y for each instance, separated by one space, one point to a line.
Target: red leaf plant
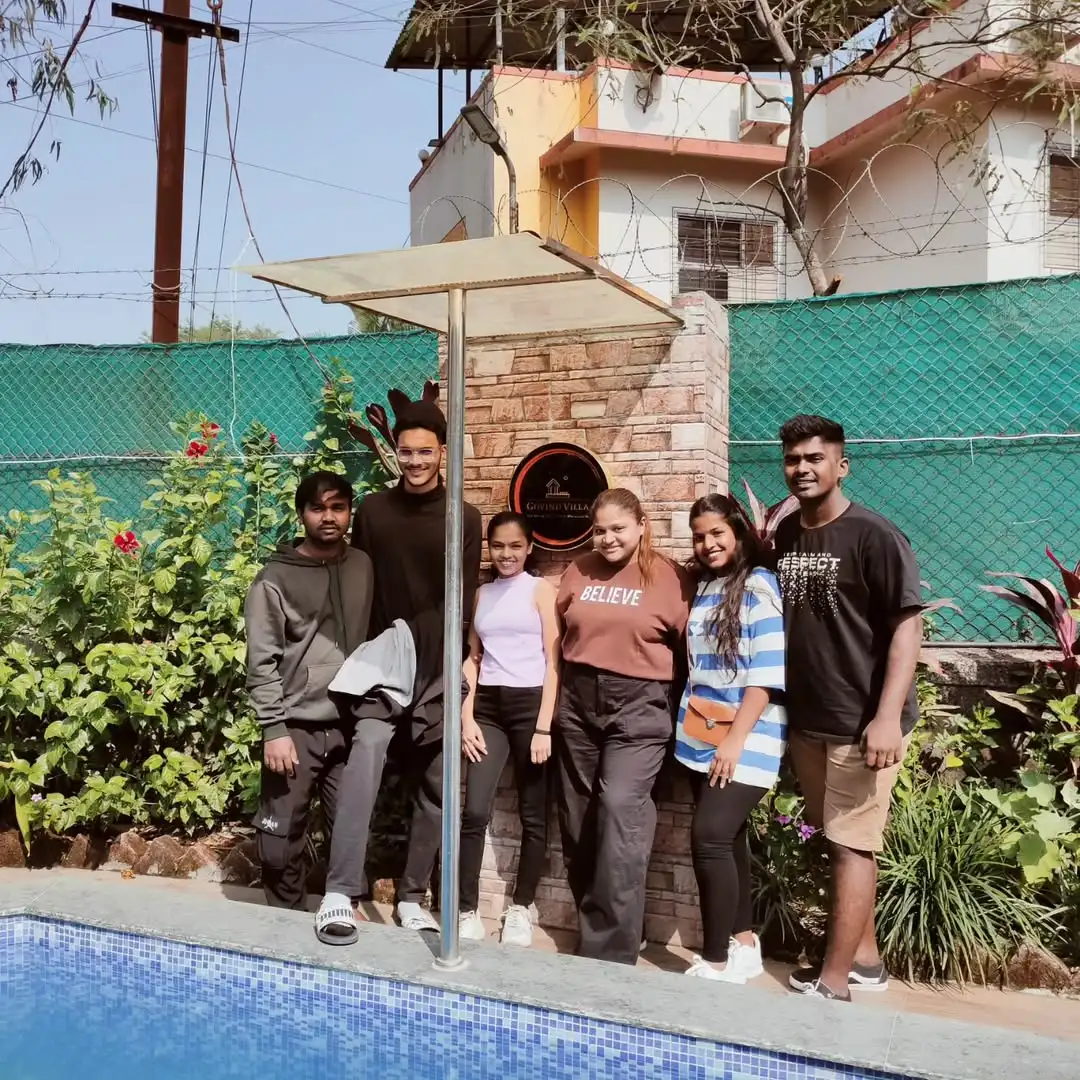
1059 613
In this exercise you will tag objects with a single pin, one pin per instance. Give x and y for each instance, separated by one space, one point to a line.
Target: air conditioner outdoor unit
763 121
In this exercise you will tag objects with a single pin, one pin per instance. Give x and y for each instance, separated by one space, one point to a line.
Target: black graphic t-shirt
843 584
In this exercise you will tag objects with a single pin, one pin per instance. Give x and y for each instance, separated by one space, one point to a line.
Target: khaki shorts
843 796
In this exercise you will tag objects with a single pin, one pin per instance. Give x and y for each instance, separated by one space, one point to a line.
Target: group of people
750 651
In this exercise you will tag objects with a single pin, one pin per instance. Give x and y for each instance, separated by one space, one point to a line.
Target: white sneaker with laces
471 927
518 922
702 969
746 958
415 917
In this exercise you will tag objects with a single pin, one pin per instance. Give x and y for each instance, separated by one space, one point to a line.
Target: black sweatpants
507 717
359 788
721 854
612 733
285 809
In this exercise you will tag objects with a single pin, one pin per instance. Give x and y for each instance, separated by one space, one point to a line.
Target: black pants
721 854
359 789
507 717
612 735
285 809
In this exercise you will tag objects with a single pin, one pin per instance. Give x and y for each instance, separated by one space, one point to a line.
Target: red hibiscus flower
274 440
209 430
196 448
127 542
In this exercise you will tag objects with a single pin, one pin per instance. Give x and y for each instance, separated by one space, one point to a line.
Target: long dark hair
511 517
725 624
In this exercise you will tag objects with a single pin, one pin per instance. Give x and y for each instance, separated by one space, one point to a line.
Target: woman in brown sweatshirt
623 609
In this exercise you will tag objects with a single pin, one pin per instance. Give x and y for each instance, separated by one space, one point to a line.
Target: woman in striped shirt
732 727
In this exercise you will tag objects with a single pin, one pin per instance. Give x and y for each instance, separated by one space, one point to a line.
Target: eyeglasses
424 455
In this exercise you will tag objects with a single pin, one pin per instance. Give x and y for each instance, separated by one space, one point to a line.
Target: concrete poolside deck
978 1034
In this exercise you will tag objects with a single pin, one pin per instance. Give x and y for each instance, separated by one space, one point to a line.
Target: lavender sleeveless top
510 632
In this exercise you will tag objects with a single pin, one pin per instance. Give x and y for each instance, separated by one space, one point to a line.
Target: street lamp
488 134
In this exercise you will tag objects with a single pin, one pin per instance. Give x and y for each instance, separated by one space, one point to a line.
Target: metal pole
449 957
511 183
169 226
560 39
498 35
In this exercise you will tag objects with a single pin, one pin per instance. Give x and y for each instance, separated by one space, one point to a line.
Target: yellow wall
535 109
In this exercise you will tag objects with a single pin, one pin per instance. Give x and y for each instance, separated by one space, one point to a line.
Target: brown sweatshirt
613 621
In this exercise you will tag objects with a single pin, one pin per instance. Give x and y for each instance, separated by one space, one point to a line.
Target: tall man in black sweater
403 531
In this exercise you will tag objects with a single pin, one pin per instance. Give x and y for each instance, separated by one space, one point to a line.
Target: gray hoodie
303 617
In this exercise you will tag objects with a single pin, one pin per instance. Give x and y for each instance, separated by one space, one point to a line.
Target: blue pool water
86 1004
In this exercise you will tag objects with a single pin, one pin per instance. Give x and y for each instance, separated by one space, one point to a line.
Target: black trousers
721 854
359 788
507 717
285 810
612 735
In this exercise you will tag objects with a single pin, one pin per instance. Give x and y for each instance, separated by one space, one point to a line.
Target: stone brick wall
654 411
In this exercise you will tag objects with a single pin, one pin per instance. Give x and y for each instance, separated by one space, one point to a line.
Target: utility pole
177 29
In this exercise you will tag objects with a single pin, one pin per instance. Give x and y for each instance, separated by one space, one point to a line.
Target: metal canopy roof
517 285
466 39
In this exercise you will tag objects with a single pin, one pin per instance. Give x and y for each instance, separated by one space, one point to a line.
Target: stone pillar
654 411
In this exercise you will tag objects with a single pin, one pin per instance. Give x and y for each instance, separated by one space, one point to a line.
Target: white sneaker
702 969
746 959
518 922
471 927
415 917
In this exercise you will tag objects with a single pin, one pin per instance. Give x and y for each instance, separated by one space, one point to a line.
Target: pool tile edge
906 1044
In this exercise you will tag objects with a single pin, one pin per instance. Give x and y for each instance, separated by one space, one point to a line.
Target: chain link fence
107 410
962 407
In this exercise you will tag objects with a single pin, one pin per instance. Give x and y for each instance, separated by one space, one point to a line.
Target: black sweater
405 537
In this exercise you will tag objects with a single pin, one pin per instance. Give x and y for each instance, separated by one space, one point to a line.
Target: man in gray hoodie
307 610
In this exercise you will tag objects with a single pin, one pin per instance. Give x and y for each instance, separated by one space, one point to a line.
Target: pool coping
911 1045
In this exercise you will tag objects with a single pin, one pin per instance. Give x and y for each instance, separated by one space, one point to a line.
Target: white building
668 178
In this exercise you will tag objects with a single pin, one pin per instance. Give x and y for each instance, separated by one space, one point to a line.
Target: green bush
122 666
950 905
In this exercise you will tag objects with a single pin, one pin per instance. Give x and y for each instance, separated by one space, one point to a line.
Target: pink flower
196 449
783 819
209 430
127 542
273 440
37 797
806 831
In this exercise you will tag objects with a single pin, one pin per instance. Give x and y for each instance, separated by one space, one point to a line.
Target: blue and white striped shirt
761 663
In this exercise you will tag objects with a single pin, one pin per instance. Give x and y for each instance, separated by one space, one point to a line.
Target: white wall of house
458 183
911 220
639 207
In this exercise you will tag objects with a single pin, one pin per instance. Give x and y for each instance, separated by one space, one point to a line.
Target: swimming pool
98 1005
154 991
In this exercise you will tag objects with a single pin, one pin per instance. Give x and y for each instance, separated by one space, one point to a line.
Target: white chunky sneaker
702 969
518 922
415 917
746 959
471 927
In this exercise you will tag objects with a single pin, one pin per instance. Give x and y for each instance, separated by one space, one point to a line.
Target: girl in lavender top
512 672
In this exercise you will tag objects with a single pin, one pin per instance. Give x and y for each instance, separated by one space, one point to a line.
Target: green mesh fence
959 404
107 409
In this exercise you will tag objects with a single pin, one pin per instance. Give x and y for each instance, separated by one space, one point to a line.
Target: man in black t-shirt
852 614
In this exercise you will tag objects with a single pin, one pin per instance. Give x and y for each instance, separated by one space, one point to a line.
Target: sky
327 140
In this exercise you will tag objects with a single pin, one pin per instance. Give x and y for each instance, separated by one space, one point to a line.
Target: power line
221 157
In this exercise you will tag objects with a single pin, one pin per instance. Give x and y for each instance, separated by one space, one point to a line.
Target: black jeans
359 788
721 854
284 810
612 733
507 717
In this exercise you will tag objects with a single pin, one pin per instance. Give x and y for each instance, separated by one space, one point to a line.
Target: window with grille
1063 214
731 259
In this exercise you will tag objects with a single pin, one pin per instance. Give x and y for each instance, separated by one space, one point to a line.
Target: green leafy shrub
950 902
122 694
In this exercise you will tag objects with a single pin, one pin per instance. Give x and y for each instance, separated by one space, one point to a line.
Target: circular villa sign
554 487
